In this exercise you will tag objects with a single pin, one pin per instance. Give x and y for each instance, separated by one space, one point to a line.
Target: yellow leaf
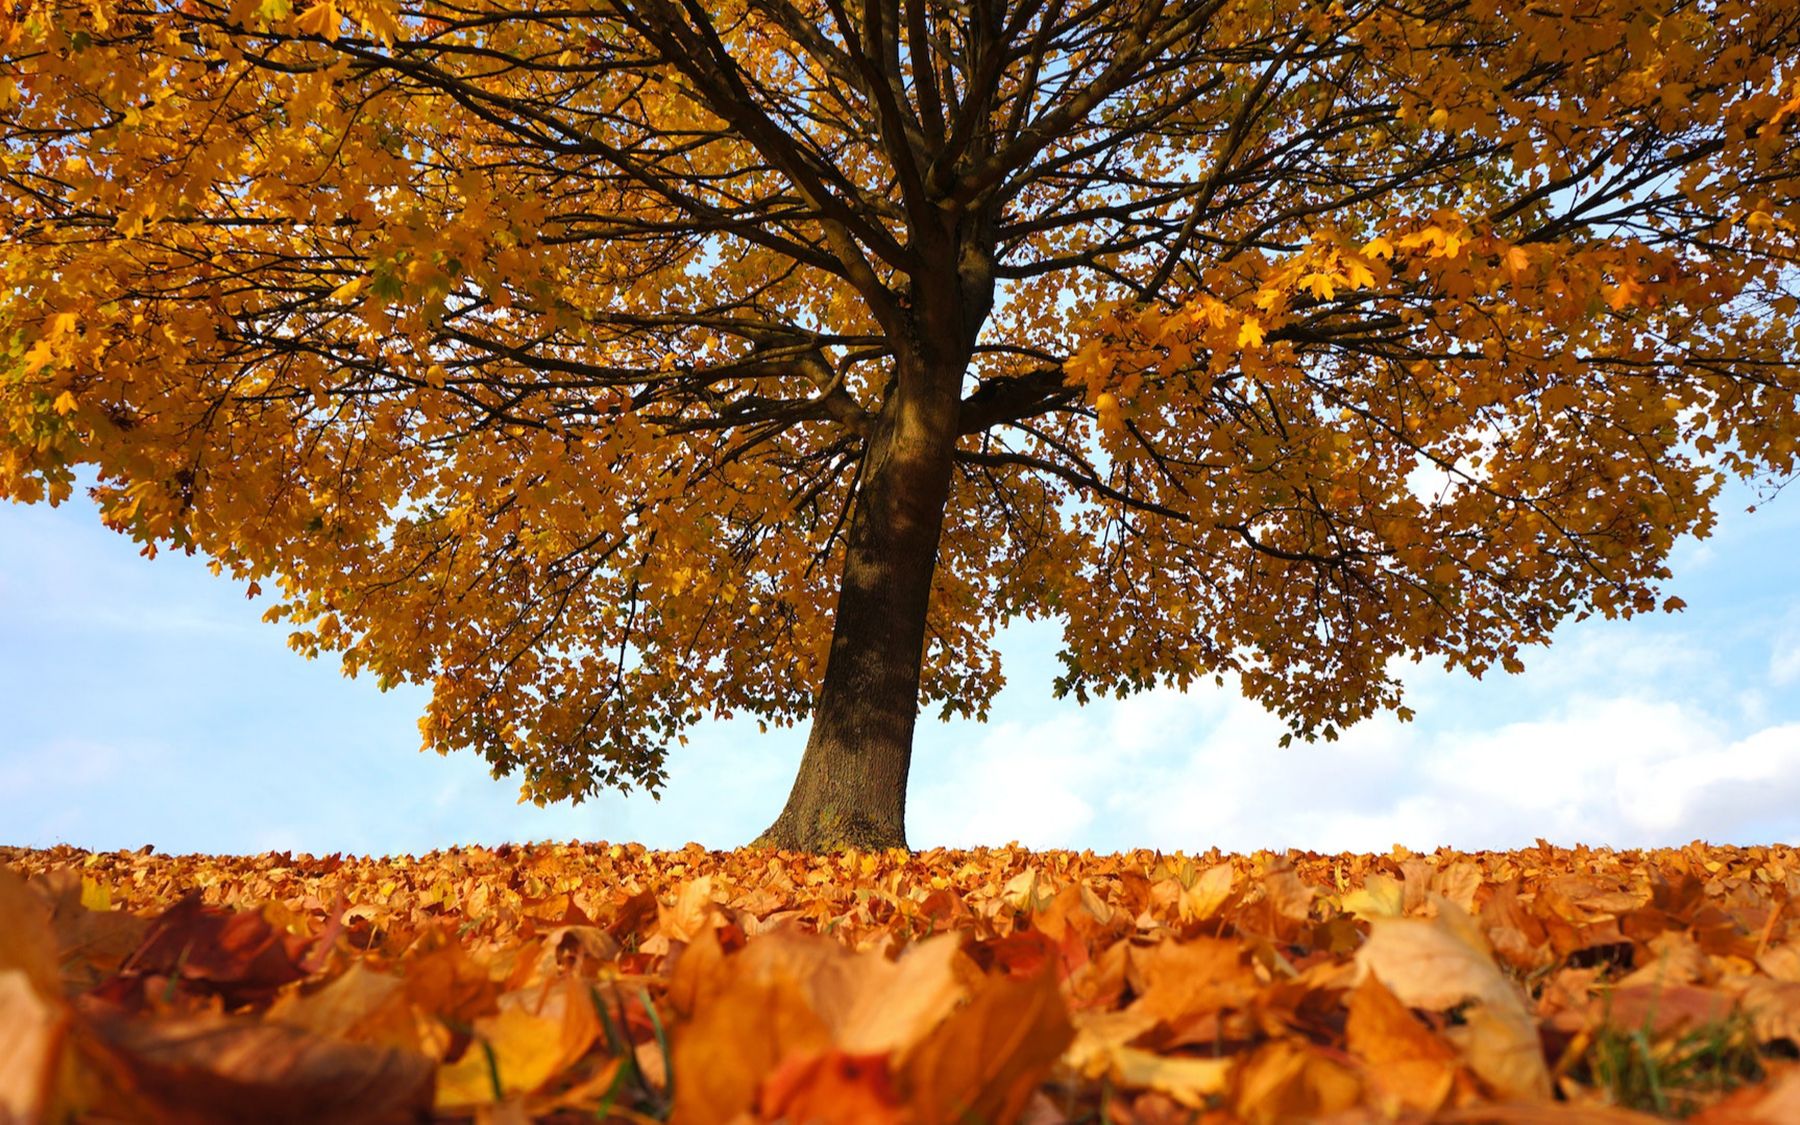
1378 247
1250 333
95 895
65 403
523 1047
1380 896
1190 1081
1209 892
320 19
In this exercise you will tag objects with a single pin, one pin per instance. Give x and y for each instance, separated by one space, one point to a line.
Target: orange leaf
1408 1063
32 1029
984 1061
834 1086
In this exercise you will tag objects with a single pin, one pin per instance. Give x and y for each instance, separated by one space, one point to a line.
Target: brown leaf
237 954
1675 958
693 911
1208 893
1500 1042
1659 1010
1288 895
1544 1113
231 1069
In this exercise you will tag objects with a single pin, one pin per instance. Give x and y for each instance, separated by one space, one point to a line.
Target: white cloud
1199 771
1024 782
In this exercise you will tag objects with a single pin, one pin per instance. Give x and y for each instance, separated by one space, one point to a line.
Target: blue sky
144 702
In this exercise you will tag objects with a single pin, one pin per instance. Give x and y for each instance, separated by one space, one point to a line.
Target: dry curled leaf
525 983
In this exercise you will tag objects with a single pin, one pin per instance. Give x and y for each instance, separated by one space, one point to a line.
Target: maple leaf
1320 285
319 19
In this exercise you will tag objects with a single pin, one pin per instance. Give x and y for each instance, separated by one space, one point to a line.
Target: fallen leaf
1177 981
27 942
232 1069
985 1060
1285 1081
735 1040
237 954
1380 896
1408 1064
360 1004
1188 1080
92 940
1209 892
1675 958
32 1030
1443 962
1500 1042
535 1036
1774 1009
692 912
1430 963
833 1087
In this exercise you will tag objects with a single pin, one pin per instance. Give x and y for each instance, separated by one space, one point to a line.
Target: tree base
830 831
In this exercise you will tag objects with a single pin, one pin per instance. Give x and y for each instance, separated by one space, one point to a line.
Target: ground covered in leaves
607 982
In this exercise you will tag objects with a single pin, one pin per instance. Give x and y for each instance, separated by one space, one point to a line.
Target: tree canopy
605 366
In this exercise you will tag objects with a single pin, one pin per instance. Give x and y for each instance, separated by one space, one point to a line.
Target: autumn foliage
608 369
585 982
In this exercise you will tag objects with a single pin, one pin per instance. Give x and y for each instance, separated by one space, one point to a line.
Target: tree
604 366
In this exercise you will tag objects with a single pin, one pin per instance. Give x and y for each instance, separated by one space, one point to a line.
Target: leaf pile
608 982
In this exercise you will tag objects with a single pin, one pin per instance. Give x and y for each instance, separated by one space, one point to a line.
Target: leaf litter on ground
583 982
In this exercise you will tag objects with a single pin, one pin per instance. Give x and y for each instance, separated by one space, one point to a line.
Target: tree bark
851 787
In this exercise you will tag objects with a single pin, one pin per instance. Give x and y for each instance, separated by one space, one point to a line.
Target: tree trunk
851 788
